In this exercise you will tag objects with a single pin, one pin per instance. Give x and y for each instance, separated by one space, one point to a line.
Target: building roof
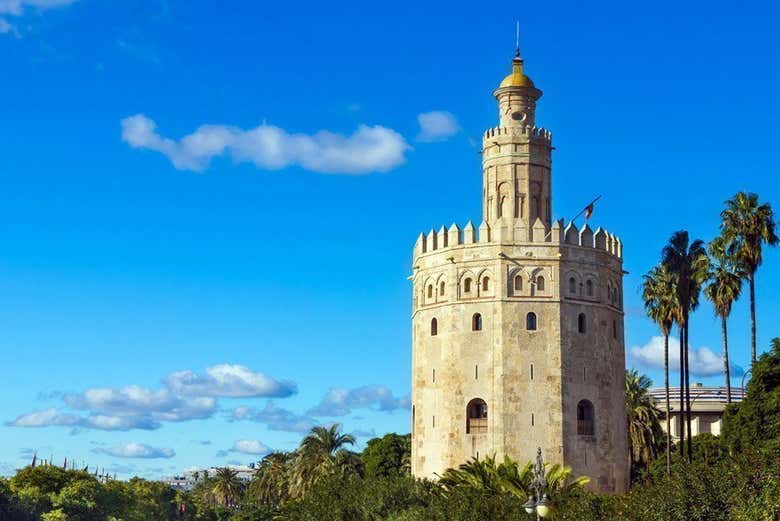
517 78
703 399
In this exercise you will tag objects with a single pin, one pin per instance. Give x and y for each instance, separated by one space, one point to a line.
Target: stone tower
518 325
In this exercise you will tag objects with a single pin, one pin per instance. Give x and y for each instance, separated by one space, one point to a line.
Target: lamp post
538 500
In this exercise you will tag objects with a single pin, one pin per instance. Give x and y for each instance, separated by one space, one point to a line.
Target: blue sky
169 303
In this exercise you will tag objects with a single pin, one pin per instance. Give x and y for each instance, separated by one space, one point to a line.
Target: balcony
477 426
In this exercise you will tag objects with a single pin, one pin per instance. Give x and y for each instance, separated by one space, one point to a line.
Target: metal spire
517 39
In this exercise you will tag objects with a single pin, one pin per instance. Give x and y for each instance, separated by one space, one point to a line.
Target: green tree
271 484
509 478
388 455
226 487
755 422
746 225
723 289
55 515
660 298
689 265
644 428
323 452
83 500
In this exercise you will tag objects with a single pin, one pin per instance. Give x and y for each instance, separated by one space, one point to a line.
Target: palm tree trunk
726 358
688 396
752 278
668 408
682 394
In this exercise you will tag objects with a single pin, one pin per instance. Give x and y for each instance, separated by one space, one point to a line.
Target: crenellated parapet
558 235
527 131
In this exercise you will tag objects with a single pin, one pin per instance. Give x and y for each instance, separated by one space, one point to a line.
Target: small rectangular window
532 419
532 371
476 372
434 422
434 376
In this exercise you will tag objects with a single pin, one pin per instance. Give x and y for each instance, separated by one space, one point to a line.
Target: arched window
585 418
539 283
441 289
467 285
589 288
485 283
530 321
582 323
518 283
476 322
430 290
434 327
572 285
476 417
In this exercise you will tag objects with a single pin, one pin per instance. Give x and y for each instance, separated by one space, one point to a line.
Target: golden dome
517 78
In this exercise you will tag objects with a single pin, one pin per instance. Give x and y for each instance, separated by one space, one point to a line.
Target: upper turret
516 157
517 97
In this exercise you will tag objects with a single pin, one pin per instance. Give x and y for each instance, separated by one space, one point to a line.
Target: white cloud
436 126
137 450
185 396
340 402
250 447
275 418
18 8
703 361
234 381
368 149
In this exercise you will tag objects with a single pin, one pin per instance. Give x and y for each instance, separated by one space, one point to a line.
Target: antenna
517 39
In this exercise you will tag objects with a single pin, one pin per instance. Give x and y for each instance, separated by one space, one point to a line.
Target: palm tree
226 487
724 288
688 263
746 226
660 298
483 475
644 427
271 484
508 477
322 452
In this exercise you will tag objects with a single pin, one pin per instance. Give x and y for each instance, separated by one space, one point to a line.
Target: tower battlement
557 235
530 131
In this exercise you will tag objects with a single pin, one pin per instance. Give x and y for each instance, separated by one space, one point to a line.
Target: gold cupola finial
517 78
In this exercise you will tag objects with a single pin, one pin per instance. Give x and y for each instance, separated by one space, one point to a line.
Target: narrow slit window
532 371
582 323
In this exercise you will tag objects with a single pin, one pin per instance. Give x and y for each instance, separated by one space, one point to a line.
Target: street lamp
538 500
